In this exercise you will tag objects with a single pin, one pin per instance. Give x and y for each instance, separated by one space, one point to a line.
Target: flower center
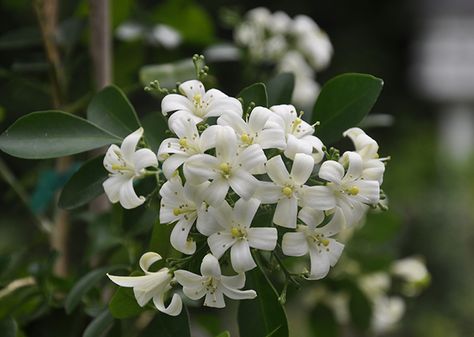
287 191
238 232
225 169
246 139
296 124
354 190
183 142
183 209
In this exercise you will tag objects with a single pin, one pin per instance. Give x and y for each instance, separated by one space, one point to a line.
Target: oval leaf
155 127
84 185
263 316
343 102
86 283
256 93
100 325
111 110
52 134
168 326
124 305
280 89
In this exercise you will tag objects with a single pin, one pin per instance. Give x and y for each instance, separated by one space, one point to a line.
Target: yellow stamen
118 167
288 191
245 138
183 142
197 98
325 242
225 168
177 211
237 232
354 190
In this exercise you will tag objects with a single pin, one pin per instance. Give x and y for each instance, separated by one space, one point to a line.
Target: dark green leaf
123 304
263 316
22 38
8 327
224 334
160 239
280 89
343 102
86 283
380 227
360 309
168 74
111 110
256 93
323 323
155 127
51 134
84 185
100 325
168 326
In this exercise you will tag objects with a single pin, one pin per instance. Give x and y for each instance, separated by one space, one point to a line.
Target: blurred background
424 120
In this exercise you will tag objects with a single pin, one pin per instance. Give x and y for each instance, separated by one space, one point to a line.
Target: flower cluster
234 180
295 45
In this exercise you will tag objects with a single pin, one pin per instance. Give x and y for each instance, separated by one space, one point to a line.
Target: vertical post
101 42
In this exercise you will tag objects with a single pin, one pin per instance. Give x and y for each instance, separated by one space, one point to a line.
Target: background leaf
84 185
168 326
100 325
168 73
51 134
111 110
123 304
256 93
343 102
280 89
264 315
323 323
360 309
224 334
155 127
8 327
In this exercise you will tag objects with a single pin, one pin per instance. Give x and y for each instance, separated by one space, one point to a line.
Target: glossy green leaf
169 73
8 327
224 334
256 93
84 185
280 89
51 134
323 323
168 326
100 325
360 309
263 316
155 126
86 283
343 102
124 305
111 110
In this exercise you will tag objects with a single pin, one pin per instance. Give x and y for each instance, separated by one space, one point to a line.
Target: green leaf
224 334
263 316
256 93
111 110
100 325
8 327
168 326
169 73
360 309
343 102
84 185
124 305
25 37
323 323
52 134
280 89
86 283
155 127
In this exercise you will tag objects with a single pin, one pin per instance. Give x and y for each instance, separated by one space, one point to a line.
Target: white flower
164 35
236 234
184 205
287 189
299 134
197 103
387 312
367 148
125 164
324 252
347 190
412 269
279 23
153 285
260 129
213 284
230 167
175 151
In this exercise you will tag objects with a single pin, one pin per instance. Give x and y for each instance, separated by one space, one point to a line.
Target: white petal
173 309
331 171
196 292
218 106
128 197
285 212
335 225
369 191
239 294
144 158
277 171
244 211
234 120
252 157
180 115
210 266
111 158
268 192
192 88
271 138
243 183
216 192
174 102
354 169
188 279
236 281
171 164
219 243
319 197
302 168
208 138
319 262
317 145
185 128
226 144
262 238
294 244
179 236
295 145
335 251
200 167
148 259
223 214
112 186
206 224
169 146
311 216
259 117
130 143
215 299
241 257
